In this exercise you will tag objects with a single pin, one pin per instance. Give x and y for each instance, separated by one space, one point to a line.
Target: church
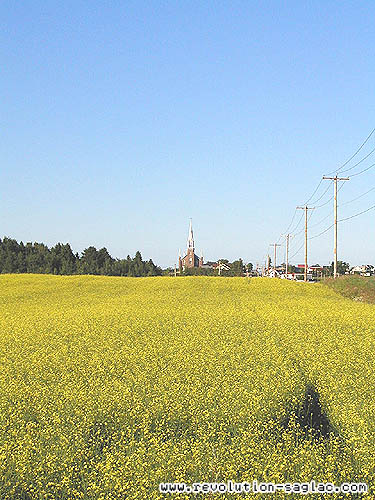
189 259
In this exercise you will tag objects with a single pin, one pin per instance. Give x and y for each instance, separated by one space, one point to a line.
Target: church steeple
190 242
189 258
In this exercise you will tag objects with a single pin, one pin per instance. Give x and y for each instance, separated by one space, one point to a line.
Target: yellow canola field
109 386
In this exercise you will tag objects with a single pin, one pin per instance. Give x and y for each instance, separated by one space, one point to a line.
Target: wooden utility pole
287 236
335 179
305 208
274 245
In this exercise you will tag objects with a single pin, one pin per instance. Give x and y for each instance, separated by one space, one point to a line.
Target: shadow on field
100 437
310 417
308 423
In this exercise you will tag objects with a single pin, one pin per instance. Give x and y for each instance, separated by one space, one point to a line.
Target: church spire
190 242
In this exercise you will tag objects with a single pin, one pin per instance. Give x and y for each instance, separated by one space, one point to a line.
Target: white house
364 270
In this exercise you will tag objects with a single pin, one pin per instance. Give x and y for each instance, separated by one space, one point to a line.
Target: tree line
38 258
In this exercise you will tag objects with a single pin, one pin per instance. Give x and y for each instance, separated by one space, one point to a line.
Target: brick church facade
190 259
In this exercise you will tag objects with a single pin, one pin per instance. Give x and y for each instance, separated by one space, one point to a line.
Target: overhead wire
321 196
290 224
301 231
300 248
316 189
356 215
320 234
298 223
357 198
359 162
308 220
342 220
331 198
322 220
339 169
362 171
355 154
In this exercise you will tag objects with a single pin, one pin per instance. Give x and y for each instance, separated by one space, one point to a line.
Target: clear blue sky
120 120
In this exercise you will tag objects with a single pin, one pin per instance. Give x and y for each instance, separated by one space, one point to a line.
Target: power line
342 220
301 231
359 213
312 237
290 225
331 198
365 170
317 223
358 150
300 248
294 244
358 197
321 196
295 227
338 170
316 189
316 236
318 186
298 223
332 225
341 168
291 222
358 163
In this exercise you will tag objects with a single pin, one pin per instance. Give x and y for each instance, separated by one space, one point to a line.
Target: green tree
342 267
89 261
60 259
237 268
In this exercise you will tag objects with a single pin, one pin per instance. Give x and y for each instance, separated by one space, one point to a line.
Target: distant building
221 266
217 266
314 271
189 259
364 270
209 265
273 273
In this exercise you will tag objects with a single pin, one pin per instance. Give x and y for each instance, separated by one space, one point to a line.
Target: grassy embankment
358 288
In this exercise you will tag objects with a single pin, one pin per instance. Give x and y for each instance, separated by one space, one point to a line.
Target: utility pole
287 236
268 264
274 245
306 209
335 179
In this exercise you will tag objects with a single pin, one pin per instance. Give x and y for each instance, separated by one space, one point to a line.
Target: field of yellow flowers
109 386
